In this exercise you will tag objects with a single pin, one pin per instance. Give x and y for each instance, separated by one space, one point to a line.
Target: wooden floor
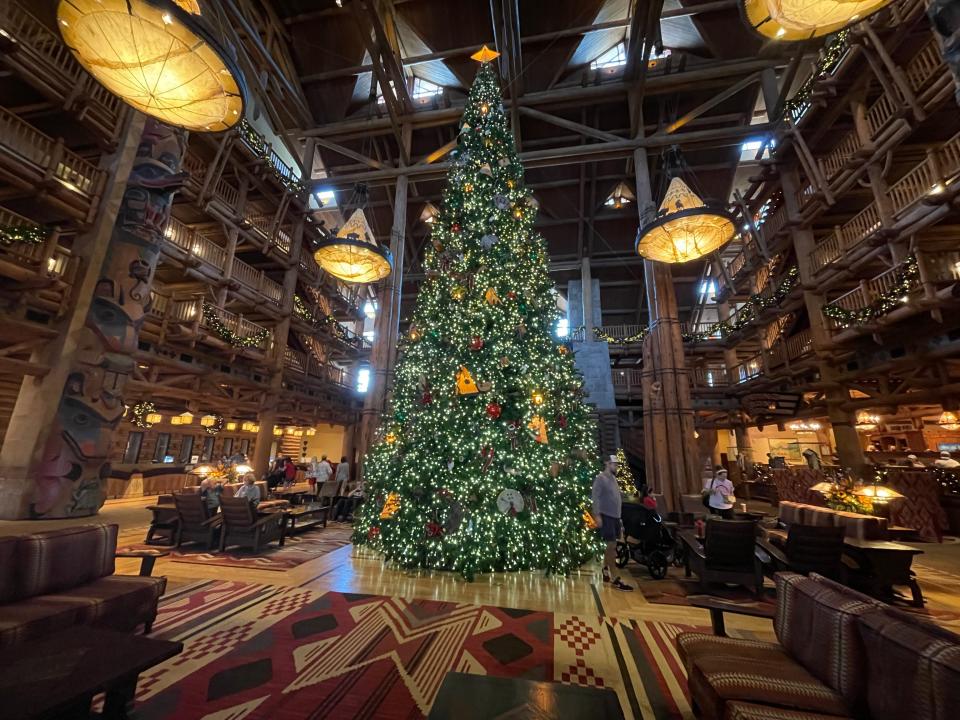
358 571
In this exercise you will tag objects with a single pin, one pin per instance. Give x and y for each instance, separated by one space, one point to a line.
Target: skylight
380 99
327 197
363 379
563 327
424 90
707 289
612 58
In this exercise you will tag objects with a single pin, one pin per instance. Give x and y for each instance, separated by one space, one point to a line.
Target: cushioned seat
751 711
864 527
694 645
33 617
116 602
818 516
773 680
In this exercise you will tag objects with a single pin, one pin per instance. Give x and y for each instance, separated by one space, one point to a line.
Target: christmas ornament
468 187
465 382
486 454
517 213
493 410
390 506
390 438
510 502
504 361
414 334
491 297
537 397
539 427
450 464
555 469
589 521
488 241
511 295
426 398
501 202
485 169
563 349
373 533
454 517
561 421
455 228
465 128
485 386
521 328
510 183
457 292
434 530
476 343
503 162
484 108
437 245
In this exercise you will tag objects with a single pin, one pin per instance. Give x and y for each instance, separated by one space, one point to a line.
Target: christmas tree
484 460
625 479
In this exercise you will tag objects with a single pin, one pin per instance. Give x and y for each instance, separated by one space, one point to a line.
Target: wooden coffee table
303 517
148 557
57 676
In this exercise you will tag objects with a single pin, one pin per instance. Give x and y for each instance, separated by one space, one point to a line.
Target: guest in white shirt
249 489
721 497
946 461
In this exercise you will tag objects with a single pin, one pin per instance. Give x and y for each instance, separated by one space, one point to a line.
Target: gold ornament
390 438
465 382
468 187
491 296
539 426
458 292
414 334
588 520
485 386
537 398
484 108
390 506
563 349
517 213
510 183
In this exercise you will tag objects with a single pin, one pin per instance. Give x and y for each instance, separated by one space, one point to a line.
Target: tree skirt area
259 651
295 551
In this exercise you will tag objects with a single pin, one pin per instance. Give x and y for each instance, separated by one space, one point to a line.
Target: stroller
646 540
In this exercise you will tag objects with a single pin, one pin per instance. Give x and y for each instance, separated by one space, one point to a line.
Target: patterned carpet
296 551
260 651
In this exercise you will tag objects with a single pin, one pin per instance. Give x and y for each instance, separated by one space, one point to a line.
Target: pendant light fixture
620 196
794 20
685 228
948 421
166 58
354 255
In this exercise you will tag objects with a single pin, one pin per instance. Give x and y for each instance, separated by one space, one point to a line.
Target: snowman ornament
510 502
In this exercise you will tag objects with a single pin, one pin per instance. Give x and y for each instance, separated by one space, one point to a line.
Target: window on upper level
424 90
363 379
707 289
612 58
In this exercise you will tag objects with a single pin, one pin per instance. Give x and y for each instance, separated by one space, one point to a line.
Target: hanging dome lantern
794 20
354 255
163 57
685 228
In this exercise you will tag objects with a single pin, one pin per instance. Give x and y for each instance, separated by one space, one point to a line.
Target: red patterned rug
258 651
295 551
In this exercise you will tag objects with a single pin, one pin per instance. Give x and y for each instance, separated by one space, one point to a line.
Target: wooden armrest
266 519
215 521
773 551
691 540
707 602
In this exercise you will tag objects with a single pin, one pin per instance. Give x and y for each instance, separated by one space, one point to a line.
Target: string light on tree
502 416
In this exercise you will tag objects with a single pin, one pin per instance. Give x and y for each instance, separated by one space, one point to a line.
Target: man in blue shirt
606 514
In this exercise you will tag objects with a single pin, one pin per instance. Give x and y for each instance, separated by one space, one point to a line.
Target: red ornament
493 410
561 421
455 227
373 533
476 343
427 398
511 295
434 530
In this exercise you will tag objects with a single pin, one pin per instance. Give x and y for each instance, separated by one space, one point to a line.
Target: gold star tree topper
485 55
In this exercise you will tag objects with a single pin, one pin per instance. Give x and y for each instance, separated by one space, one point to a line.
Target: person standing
324 470
721 498
606 514
343 472
289 472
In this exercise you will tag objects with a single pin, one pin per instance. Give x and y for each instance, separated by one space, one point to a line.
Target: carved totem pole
72 473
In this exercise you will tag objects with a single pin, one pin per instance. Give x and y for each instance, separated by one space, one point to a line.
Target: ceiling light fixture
796 20
354 255
165 58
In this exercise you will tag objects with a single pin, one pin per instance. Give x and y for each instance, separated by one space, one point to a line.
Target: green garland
904 282
340 330
832 53
257 143
28 234
626 340
214 322
139 414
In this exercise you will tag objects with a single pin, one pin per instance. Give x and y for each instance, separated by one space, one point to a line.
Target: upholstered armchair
726 555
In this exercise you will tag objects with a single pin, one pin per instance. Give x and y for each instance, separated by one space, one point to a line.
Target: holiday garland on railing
259 145
832 53
213 321
27 234
904 282
626 340
340 331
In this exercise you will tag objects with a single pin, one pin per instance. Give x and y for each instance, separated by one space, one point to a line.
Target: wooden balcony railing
747 370
305 364
159 302
45 61
49 158
192 311
227 194
196 246
709 377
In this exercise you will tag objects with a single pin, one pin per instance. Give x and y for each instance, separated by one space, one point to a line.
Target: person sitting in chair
348 504
249 489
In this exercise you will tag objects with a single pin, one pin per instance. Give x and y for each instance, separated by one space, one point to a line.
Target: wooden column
668 417
74 428
849 450
744 446
387 328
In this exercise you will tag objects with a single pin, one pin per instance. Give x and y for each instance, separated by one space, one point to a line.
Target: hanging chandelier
948 421
354 255
163 57
867 422
792 20
620 196
685 228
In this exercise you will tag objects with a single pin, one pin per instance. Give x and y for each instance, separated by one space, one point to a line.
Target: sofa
53 580
840 654
863 527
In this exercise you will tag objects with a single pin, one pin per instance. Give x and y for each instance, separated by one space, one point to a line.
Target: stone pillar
849 450
68 455
387 329
586 283
668 418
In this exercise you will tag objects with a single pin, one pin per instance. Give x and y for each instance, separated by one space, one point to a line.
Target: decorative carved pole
72 470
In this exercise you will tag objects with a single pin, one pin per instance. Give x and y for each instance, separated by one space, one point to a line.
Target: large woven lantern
163 57
685 228
791 20
354 255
